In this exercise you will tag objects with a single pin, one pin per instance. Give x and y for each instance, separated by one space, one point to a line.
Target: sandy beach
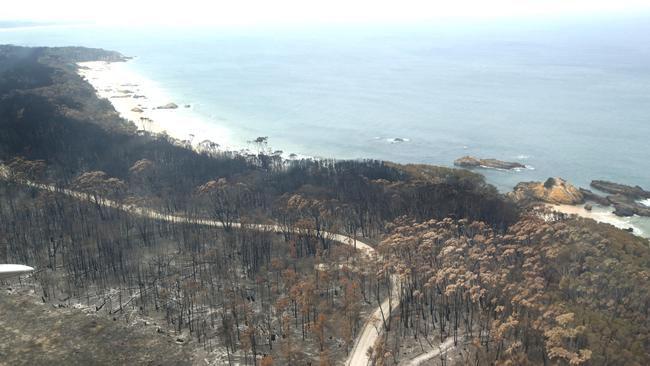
139 100
640 225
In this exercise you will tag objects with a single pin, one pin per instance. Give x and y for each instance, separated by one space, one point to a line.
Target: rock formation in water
624 198
635 192
472 162
168 106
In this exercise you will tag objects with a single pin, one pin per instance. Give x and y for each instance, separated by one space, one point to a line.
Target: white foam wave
606 215
136 98
645 202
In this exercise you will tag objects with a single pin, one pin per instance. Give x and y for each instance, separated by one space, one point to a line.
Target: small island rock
472 162
168 106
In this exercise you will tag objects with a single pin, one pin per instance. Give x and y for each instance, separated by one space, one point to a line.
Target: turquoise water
571 98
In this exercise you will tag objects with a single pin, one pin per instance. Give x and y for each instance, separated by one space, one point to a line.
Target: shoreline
602 214
137 99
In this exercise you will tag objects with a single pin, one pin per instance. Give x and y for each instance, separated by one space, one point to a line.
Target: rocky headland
472 162
554 190
625 199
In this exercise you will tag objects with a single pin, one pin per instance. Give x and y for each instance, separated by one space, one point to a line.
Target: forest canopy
146 229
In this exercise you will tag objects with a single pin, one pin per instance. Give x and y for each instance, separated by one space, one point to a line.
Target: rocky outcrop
168 106
624 198
137 110
554 191
591 196
472 162
635 192
627 206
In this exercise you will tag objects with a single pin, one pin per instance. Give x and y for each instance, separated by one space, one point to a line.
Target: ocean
567 97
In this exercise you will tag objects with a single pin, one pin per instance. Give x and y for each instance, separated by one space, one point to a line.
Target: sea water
568 97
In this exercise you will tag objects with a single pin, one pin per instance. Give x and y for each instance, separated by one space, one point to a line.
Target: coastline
605 215
137 99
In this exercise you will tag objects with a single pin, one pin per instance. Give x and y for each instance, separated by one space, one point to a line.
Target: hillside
461 260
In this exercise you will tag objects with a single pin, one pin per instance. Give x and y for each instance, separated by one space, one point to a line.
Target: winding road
371 328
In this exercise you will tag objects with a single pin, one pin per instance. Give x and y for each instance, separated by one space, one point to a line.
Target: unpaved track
442 348
371 328
369 334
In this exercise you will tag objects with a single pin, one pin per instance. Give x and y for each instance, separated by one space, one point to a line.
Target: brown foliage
541 291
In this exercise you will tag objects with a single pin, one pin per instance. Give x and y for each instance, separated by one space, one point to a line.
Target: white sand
118 83
605 215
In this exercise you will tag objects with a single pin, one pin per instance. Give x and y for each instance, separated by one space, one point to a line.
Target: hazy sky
263 12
